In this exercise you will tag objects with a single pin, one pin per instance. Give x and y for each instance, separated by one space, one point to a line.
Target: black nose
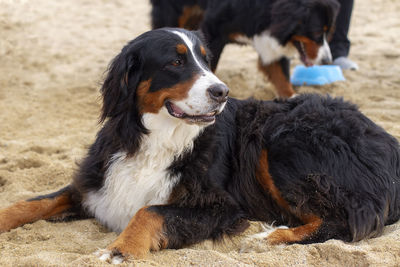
326 61
218 92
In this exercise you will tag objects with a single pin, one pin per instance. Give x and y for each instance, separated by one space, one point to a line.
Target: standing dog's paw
110 256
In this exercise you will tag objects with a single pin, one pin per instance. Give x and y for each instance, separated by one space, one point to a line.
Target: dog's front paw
110 256
120 251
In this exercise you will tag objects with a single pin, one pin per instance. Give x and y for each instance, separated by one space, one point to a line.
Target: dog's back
319 160
337 161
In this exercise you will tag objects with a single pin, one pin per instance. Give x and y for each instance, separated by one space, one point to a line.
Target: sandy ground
53 55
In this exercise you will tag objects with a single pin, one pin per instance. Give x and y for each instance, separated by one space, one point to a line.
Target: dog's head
164 70
162 74
307 24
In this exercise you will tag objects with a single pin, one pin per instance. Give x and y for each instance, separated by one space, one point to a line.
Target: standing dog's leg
56 205
296 234
158 227
278 73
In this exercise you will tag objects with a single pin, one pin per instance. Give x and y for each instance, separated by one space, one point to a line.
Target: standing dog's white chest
268 47
131 183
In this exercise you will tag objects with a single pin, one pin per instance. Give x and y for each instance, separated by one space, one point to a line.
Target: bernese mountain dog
275 28
177 161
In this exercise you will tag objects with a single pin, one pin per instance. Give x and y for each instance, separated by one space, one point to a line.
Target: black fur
325 157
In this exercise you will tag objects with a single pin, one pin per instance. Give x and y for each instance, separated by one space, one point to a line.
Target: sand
53 55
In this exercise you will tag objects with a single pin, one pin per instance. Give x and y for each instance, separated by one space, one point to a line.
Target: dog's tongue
176 110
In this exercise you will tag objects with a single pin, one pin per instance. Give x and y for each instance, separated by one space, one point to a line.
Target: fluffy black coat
325 157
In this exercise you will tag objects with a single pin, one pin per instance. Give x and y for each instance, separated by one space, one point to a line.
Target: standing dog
275 28
177 162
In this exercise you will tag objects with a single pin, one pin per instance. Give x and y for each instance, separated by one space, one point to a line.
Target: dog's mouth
303 54
177 112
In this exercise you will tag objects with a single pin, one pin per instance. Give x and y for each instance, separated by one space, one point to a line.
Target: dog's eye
177 62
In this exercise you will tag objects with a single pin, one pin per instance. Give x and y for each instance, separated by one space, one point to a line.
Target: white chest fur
268 47
143 179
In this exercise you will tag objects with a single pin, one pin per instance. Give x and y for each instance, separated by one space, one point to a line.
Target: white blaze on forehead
198 100
190 45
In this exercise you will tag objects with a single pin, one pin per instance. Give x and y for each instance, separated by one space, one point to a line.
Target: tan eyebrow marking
203 50
181 49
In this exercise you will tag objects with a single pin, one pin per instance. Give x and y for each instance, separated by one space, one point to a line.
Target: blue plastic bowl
316 75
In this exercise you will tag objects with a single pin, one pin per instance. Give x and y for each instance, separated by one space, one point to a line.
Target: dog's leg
158 227
143 233
311 200
56 205
312 223
314 230
278 73
296 234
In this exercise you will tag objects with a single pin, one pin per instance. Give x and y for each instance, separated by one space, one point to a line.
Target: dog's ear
331 9
119 87
119 98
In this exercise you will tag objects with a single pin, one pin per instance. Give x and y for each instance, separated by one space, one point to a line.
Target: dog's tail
61 205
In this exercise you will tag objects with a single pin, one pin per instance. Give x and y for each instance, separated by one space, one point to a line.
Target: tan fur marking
126 78
296 234
181 49
311 48
152 102
143 233
236 36
24 212
312 222
203 50
191 17
265 179
233 36
275 74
